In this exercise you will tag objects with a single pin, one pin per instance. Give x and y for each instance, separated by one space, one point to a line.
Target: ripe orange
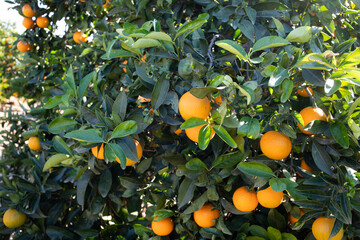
23 46
28 11
178 131
143 99
269 198
244 200
206 216
34 144
15 94
28 23
293 219
42 22
275 145
306 167
13 218
163 227
125 62
302 92
322 228
106 4
98 153
191 106
310 114
193 133
218 100
139 151
79 38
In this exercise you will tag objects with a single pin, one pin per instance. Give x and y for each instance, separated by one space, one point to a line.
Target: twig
210 55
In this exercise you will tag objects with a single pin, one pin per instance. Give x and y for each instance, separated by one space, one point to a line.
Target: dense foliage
254 60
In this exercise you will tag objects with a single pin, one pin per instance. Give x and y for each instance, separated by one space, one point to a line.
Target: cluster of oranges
28 23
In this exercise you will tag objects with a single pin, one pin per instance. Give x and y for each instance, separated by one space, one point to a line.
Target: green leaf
189 27
54 232
70 79
53 102
204 137
336 228
160 92
314 77
141 230
61 146
84 83
105 182
82 184
269 42
54 160
274 234
197 204
228 160
331 86
277 184
124 129
247 28
310 204
258 231
89 135
339 132
186 192
287 87
162 213
256 169
192 122
146 43
276 220
279 75
249 127
234 48
203 92
120 105
195 164
248 92
117 53
287 130
225 136
119 153
301 34
158 36
352 58
60 124
322 159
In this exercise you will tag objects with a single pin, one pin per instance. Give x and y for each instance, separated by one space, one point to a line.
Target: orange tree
202 119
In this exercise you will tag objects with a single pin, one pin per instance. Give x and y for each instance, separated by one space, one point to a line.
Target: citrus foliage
108 98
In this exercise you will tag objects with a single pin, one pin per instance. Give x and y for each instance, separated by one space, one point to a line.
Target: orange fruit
275 145
269 198
293 219
125 62
310 114
143 99
206 216
244 200
178 131
302 92
139 151
306 167
78 37
193 133
106 4
42 22
143 58
23 46
163 227
34 144
28 23
27 11
98 153
322 228
191 106
13 218
15 94
218 100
